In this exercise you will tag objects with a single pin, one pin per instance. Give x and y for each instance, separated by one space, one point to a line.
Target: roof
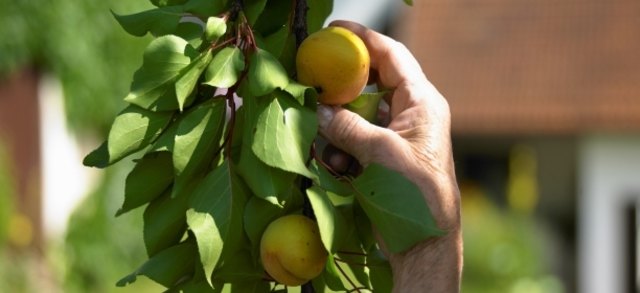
530 66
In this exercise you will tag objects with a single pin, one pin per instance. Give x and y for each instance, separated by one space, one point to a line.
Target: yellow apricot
336 61
291 250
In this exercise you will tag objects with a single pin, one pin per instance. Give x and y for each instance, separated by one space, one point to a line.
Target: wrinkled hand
416 143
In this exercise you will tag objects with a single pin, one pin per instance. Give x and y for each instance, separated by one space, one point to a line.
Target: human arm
416 143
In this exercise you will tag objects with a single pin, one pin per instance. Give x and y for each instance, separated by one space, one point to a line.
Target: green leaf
352 251
253 9
366 105
165 141
158 21
396 208
265 73
275 42
191 32
288 56
283 133
302 93
329 182
189 77
225 68
164 222
206 7
380 272
317 14
273 17
265 181
408 2
258 286
319 285
330 222
198 283
258 213
151 176
167 267
161 3
99 157
239 267
331 276
196 141
216 210
363 227
133 129
196 286
164 62
215 28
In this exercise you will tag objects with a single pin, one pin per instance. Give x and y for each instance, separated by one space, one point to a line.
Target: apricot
291 250
335 61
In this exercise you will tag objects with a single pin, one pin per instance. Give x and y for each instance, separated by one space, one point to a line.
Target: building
563 78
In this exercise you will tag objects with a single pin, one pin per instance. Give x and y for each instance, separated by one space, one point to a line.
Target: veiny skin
291 250
336 61
416 143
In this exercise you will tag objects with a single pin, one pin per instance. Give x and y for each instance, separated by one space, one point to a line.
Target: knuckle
349 130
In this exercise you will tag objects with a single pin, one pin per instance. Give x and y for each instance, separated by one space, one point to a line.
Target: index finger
390 58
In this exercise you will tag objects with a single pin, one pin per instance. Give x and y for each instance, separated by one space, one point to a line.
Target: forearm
436 263
433 266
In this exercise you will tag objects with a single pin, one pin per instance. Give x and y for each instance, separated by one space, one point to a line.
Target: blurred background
545 100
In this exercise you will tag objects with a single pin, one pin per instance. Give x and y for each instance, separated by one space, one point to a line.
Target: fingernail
325 115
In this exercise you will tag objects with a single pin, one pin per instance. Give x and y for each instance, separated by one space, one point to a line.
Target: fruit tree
222 128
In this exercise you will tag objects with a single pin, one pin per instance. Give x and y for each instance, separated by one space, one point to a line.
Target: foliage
7 193
224 142
97 247
79 43
505 251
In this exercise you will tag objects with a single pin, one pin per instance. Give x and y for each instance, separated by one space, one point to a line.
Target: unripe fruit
336 61
291 250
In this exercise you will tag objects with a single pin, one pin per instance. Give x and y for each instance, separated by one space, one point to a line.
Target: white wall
371 13
65 181
609 180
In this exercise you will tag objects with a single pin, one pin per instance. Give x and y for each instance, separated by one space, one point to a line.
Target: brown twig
300 21
353 285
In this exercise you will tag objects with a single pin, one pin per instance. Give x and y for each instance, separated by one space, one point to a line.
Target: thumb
352 133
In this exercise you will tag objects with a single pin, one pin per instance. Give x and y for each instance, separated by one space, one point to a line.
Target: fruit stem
217 45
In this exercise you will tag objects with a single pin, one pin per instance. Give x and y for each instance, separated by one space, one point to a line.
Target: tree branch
300 21
300 31
236 7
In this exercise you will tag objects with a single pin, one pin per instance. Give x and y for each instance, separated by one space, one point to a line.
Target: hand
416 143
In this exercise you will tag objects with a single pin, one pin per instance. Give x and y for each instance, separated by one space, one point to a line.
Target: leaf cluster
224 142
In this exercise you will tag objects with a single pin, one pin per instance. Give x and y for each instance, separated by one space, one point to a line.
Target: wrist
435 263
442 196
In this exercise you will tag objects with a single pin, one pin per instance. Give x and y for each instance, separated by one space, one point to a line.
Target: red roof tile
531 66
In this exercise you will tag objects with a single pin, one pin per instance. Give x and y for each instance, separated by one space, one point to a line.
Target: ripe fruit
291 250
336 61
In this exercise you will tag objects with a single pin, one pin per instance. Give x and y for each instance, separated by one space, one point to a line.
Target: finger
336 158
339 161
383 115
354 135
393 61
